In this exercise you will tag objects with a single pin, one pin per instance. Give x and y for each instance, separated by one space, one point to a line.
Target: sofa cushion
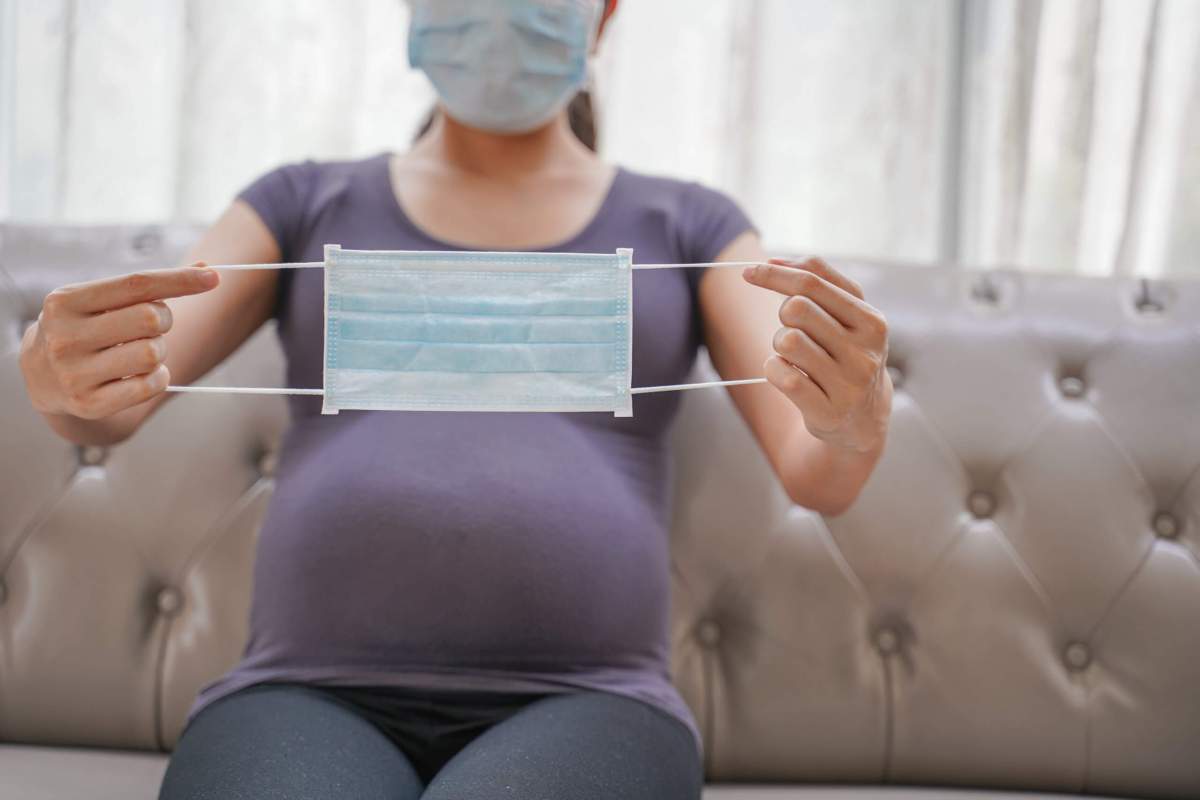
51 773
46 773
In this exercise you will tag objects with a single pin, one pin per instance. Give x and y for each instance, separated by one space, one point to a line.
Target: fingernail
158 379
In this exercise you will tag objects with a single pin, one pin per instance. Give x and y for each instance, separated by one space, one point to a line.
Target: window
1058 136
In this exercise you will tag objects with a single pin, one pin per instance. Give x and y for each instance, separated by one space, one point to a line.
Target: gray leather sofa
1012 604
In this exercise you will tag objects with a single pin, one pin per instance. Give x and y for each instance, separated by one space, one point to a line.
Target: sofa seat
791 792
55 773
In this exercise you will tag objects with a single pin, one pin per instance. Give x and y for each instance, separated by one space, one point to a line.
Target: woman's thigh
285 741
582 746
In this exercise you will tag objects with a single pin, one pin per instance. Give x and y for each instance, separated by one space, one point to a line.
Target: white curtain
1048 134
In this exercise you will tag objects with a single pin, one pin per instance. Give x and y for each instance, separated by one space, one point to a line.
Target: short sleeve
281 198
711 220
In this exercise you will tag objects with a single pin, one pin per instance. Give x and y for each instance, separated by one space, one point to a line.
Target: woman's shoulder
291 197
304 176
666 188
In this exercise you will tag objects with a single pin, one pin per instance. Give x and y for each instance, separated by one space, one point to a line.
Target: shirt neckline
393 201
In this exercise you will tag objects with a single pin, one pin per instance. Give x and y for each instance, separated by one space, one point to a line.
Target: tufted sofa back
1014 601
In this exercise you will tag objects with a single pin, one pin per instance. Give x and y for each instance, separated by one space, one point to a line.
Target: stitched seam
217 531
535 372
470 343
354 315
391 402
333 336
1120 593
925 577
708 666
889 720
532 344
606 314
1027 573
37 521
491 275
351 257
839 558
409 262
1087 735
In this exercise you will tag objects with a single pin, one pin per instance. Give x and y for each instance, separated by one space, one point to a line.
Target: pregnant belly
516 554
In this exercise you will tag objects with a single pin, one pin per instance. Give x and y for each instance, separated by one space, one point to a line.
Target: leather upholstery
1013 602
42 773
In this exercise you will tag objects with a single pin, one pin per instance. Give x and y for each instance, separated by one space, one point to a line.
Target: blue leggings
326 743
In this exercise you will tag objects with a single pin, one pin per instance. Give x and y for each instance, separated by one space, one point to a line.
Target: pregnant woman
472 605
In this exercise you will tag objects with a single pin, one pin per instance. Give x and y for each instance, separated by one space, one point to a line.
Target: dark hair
581 114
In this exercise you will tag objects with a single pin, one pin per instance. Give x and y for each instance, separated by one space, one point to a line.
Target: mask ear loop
283 390
683 387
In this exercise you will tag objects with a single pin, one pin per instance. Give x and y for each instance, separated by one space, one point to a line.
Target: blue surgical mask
430 331
474 331
506 66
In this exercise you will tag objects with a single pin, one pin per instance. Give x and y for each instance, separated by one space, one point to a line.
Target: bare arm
101 354
823 424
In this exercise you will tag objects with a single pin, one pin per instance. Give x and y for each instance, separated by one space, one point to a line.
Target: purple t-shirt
514 551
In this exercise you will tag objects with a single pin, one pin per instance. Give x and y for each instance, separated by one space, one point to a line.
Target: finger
843 306
122 394
800 388
139 357
820 266
139 287
788 280
141 321
804 313
799 350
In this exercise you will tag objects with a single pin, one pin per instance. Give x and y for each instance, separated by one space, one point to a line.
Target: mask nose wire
283 390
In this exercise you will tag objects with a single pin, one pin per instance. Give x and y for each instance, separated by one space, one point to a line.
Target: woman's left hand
831 353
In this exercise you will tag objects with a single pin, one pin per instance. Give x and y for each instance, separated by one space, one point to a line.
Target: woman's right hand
97 348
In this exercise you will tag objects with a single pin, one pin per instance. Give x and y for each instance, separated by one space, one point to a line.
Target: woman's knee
281 740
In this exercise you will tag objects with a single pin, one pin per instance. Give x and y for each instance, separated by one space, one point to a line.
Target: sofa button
709 633
1165 525
267 464
1145 302
1071 386
985 291
147 243
1078 656
981 504
887 641
92 456
169 601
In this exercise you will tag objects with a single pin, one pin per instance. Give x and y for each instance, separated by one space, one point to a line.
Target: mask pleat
450 328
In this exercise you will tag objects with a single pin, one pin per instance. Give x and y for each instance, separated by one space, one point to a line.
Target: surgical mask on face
506 66
476 331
